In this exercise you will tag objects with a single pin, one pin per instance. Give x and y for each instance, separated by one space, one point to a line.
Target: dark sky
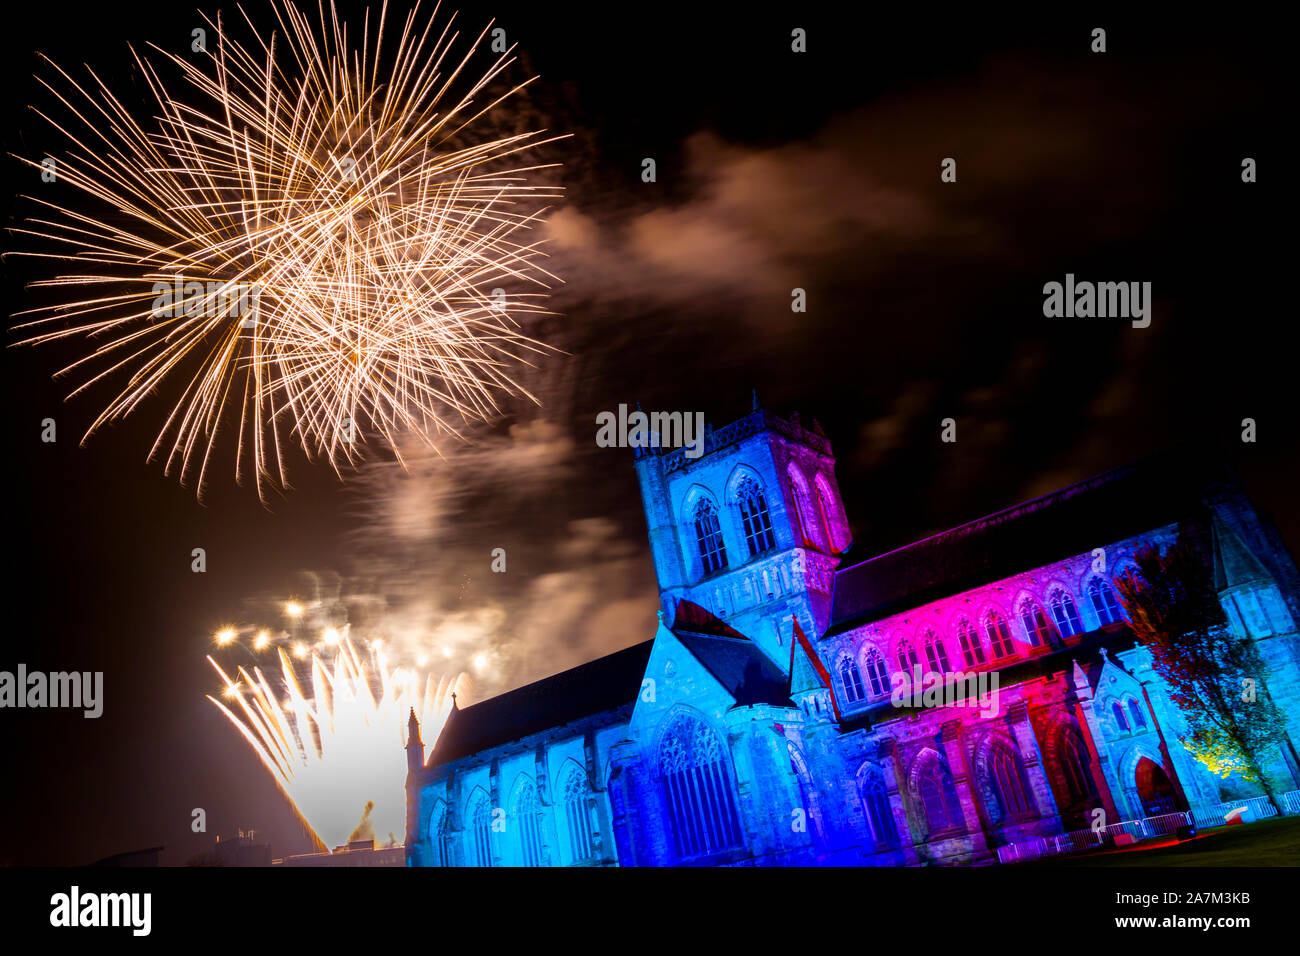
775 170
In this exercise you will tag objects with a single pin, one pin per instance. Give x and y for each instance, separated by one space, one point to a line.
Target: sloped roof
1119 504
1234 563
748 675
807 672
601 685
803 675
737 663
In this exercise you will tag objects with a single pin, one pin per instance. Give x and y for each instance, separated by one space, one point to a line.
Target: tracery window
880 815
935 794
698 787
440 836
481 832
527 825
1037 630
708 536
1072 762
577 815
851 680
755 520
1102 596
877 673
1065 614
1006 794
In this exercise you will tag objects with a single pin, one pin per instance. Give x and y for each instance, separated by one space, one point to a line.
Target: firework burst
335 746
303 238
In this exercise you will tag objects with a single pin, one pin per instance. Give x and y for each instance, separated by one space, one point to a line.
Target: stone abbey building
759 725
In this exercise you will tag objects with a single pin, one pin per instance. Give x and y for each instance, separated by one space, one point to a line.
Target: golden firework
308 240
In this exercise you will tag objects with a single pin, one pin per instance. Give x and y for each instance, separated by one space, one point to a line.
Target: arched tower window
804 526
999 635
577 815
1065 614
708 536
877 673
826 512
1102 597
527 825
1034 618
480 816
936 654
754 517
851 680
698 787
972 651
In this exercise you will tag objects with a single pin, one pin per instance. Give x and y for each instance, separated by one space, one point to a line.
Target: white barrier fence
1256 808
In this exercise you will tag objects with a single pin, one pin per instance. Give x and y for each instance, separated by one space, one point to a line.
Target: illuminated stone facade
760 726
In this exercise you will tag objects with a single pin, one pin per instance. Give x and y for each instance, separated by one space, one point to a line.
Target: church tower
750 529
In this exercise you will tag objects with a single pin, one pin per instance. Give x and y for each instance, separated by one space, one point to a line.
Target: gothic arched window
1072 763
826 511
577 815
999 635
698 788
440 838
879 813
1102 596
1118 713
1006 794
972 651
936 654
1065 614
936 796
754 518
804 527
527 825
851 679
1139 719
708 536
877 673
1034 619
907 658
480 816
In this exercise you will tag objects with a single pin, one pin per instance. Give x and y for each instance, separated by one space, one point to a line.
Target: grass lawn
1273 842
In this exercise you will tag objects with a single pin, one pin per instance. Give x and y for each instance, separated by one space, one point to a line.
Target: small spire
756 404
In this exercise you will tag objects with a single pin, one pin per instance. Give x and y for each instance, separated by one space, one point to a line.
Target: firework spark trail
341 747
381 247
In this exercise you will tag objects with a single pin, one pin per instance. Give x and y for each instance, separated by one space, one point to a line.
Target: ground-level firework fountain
335 746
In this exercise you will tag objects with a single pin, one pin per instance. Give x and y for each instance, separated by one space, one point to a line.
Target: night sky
776 170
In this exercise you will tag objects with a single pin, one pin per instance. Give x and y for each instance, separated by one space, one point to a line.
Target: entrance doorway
1155 790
